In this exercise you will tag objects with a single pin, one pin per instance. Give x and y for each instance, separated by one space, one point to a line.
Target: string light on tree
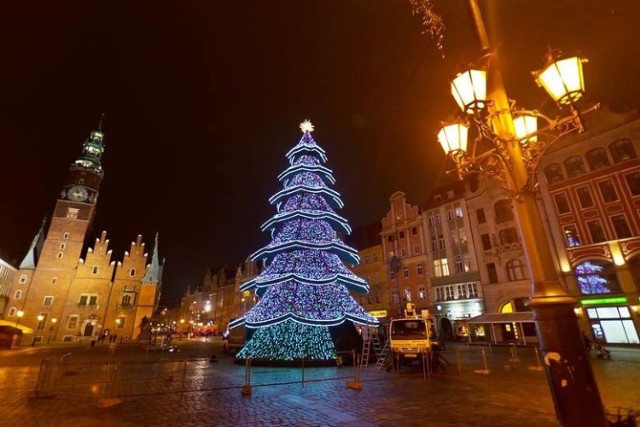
304 287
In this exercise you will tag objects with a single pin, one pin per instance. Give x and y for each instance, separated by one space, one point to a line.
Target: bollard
514 353
538 367
355 384
458 362
246 388
484 371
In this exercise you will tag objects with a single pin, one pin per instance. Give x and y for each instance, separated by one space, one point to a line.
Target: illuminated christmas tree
304 287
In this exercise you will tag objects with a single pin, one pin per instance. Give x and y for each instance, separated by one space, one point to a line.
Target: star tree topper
306 126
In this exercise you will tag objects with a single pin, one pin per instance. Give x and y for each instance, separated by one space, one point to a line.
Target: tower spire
92 149
31 258
154 273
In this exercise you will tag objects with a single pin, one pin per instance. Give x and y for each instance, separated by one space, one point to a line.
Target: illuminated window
72 323
596 277
72 213
120 322
422 292
458 264
571 234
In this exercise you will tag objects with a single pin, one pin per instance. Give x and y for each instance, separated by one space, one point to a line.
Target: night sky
203 99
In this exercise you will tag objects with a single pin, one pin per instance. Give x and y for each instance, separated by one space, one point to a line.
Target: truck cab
413 335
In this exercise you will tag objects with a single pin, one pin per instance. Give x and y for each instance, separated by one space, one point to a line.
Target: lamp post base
566 362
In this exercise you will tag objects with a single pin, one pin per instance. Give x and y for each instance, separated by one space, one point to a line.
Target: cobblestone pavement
511 394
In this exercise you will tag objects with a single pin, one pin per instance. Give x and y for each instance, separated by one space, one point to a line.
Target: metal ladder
385 358
371 339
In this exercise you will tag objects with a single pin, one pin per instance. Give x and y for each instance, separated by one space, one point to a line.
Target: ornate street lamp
19 315
517 144
53 322
40 318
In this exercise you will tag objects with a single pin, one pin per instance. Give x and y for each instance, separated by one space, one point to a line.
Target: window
403 253
486 242
492 272
596 231
95 270
417 249
405 272
366 261
54 280
60 255
622 150
23 279
42 322
508 235
633 182
458 264
422 292
440 294
562 203
12 312
458 211
608 191
420 269
448 292
401 235
596 277
72 213
472 290
62 246
83 300
93 300
17 295
434 243
462 235
597 158
620 226
584 197
571 234
481 216
407 294
120 321
462 291
414 231
440 267
440 241
515 270
574 166
554 173
126 300
66 236
503 212
375 257
449 215
48 301
73 322
393 296
390 238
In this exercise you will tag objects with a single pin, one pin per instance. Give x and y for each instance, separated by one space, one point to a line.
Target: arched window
126 300
18 294
12 312
554 173
516 270
622 150
503 212
596 277
597 158
132 272
574 166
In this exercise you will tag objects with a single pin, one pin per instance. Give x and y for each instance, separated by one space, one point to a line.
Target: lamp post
53 322
516 148
394 265
40 318
19 315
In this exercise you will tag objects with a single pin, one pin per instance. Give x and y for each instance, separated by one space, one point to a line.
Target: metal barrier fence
109 382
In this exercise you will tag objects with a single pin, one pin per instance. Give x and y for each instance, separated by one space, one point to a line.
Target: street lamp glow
40 317
563 80
525 125
453 138
54 320
470 90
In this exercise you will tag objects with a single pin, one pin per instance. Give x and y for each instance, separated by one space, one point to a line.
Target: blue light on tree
304 287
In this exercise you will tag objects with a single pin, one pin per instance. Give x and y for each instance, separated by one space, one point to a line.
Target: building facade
591 191
66 289
455 287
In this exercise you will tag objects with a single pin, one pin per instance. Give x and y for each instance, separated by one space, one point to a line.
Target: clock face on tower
77 194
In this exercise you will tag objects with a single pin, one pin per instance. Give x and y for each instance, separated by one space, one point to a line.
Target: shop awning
524 316
24 329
